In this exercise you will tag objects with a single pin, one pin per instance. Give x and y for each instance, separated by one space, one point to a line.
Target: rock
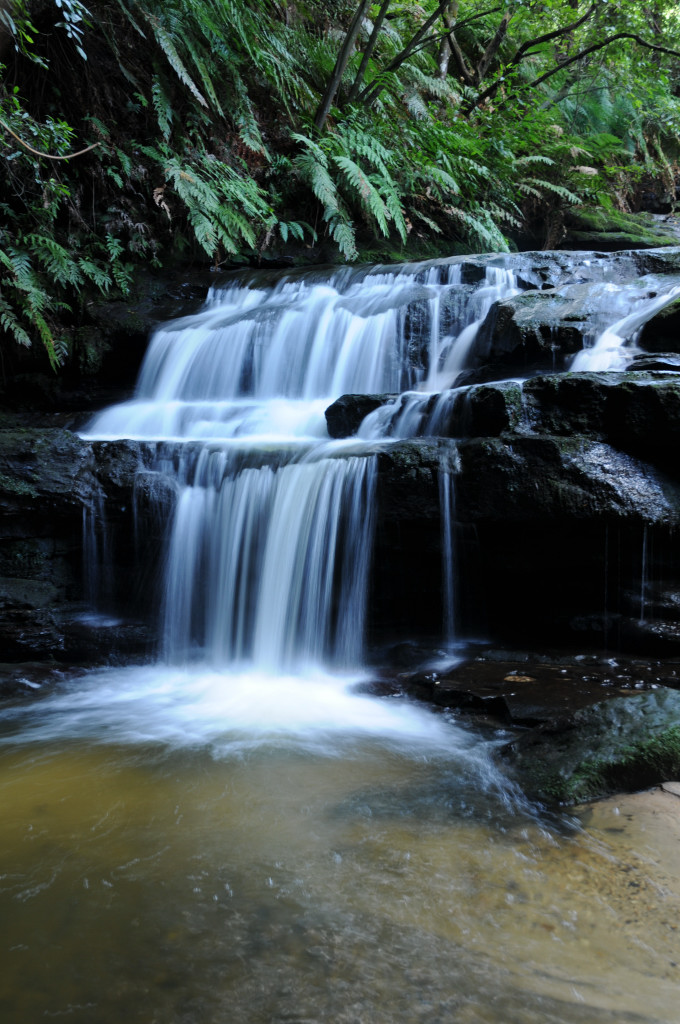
657 261
344 416
626 743
48 480
611 230
541 479
637 412
540 330
664 361
527 332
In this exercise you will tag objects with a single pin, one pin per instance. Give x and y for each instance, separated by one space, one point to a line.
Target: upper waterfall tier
266 355
262 364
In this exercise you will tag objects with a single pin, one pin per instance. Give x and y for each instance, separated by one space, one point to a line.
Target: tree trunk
448 17
368 52
340 65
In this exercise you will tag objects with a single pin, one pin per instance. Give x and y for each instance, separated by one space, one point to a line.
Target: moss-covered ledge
622 744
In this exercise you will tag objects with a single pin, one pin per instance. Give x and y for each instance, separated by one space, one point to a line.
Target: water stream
238 832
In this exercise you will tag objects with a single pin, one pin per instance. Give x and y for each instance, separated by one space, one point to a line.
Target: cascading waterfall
271 565
268 564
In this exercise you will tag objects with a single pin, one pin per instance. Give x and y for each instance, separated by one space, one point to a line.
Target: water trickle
98 563
644 573
614 347
447 504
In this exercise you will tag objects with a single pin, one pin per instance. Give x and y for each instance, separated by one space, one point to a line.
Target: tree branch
600 46
572 60
47 156
492 49
525 51
371 92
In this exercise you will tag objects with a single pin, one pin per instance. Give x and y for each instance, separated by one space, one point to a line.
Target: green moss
611 230
642 763
622 744
13 485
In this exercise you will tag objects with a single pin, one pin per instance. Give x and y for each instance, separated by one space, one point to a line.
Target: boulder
626 743
345 415
537 330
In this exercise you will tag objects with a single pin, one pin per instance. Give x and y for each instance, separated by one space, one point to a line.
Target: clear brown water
311 872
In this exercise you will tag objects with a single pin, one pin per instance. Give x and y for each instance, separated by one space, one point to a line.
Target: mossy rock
613 231
624 744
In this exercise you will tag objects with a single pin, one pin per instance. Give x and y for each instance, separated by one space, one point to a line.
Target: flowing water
239 832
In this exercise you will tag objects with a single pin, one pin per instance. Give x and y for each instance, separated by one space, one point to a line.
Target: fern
342 232
56 260
167 44
365 189
163 107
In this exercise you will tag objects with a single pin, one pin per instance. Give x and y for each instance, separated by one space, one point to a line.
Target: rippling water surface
199 847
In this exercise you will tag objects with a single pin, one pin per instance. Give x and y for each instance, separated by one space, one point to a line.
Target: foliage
224 129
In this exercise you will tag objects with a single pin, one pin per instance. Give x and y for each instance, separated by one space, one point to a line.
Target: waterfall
447 503
271 565
613 347
269 543
269 546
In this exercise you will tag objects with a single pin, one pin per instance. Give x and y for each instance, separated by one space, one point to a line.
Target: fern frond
56 260
175 61
367 192
342 232
162 106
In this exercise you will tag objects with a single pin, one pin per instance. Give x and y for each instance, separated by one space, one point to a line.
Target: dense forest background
143 132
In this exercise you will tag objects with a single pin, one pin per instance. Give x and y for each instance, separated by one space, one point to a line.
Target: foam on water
232 712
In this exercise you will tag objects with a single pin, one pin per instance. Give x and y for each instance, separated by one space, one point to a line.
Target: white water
614 347
262 365
268 565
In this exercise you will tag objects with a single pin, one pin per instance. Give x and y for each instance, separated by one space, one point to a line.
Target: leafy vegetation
141 131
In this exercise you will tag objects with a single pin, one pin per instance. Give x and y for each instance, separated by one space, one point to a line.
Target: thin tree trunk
448 17
340 64
368 52
371 92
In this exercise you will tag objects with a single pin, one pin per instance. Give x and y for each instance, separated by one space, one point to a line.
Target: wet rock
626 743
530 331
44 469
345 415
89 639
488 410
536 479
657 261
637 412
48 480
664 361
